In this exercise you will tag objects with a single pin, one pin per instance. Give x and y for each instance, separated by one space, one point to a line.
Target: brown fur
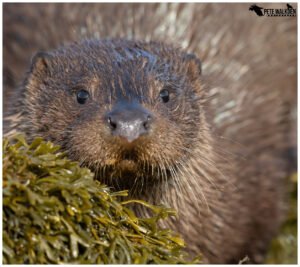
216 152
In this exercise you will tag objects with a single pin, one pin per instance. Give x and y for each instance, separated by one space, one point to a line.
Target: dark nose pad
129 121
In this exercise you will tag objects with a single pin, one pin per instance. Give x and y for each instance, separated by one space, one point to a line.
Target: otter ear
193 66
40 64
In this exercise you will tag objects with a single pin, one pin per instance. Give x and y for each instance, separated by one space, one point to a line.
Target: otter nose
129 121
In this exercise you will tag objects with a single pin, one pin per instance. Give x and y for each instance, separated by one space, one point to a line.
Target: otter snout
129 120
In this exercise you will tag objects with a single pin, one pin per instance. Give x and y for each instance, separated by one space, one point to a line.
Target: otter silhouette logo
256 9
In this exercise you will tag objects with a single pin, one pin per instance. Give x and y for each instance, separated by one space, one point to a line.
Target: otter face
128 110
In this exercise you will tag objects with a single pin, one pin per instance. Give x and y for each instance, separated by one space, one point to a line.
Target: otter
143 117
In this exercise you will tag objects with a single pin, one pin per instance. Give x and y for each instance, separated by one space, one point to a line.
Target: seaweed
283 249
55 212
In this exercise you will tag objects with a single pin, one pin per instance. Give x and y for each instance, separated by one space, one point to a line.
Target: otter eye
164 94
82 96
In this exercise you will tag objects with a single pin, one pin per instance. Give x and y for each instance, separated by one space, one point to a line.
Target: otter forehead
128 54
122 69
107 54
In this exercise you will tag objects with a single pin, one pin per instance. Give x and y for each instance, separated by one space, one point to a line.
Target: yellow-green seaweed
55 212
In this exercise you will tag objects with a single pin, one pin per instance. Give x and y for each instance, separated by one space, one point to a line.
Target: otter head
129 110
